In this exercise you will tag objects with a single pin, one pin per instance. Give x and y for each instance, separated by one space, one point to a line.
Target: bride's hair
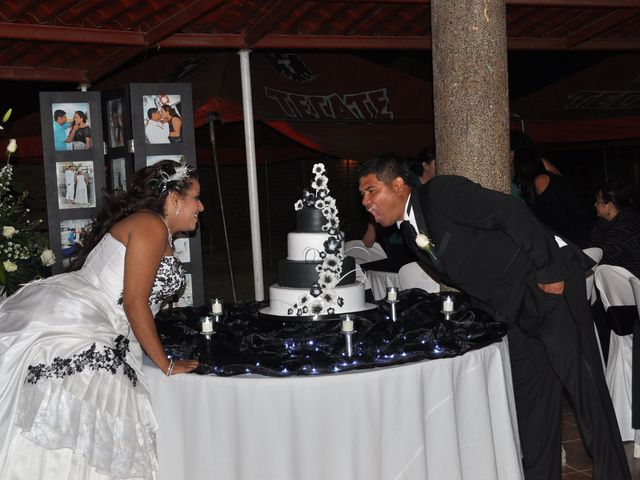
148 191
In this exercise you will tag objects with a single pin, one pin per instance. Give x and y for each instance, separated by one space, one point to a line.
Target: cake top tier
317 210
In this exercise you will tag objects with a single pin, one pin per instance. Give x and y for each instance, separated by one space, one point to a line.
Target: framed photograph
115 112
72 236
118 169
71 126
153 159
76 185
181 249
162 118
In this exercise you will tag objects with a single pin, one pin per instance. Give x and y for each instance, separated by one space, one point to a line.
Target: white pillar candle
392 294
207 325
447 304
347 325
216 307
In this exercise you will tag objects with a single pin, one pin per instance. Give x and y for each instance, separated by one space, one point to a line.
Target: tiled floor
578 462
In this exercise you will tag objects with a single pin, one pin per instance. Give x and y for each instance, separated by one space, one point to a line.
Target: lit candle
392 294
447 304
216 307
347 324
207 325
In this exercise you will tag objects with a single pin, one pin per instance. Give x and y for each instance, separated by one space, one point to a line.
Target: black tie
408 231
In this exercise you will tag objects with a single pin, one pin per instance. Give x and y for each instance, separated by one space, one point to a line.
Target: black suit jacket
489 244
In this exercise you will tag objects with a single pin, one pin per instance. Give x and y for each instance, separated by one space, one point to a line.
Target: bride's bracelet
170 367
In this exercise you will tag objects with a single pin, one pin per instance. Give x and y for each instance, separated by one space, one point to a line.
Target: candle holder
216 309
448 306
392 299
348 331
206 326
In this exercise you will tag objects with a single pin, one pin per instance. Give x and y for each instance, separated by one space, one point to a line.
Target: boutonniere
424 243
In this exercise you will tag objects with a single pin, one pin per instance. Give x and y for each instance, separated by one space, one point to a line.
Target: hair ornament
181 172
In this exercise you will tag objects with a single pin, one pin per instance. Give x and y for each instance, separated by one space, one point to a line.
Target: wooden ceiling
83 41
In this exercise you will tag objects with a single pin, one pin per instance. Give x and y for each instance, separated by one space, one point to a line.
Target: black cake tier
309 219
296 274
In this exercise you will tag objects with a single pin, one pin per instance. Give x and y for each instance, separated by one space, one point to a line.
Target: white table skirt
433 420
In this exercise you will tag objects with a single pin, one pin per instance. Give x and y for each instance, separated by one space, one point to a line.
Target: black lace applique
109 359
169 281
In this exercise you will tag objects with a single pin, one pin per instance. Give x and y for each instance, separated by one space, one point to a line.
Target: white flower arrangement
23 252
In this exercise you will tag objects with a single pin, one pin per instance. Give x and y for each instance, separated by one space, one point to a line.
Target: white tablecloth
379 281
442 419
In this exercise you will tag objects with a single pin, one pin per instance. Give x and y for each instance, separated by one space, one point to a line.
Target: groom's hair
386 167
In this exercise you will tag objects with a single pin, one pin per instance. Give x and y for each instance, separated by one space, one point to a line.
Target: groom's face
385 201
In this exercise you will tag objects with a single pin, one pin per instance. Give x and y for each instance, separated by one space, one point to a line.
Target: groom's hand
553 288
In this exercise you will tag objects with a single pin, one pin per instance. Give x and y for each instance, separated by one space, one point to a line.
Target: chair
595 253
413 276
614 288
635 287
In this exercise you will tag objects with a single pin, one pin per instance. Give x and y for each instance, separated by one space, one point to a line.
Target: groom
490 246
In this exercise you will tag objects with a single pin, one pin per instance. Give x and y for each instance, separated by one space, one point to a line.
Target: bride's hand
184 366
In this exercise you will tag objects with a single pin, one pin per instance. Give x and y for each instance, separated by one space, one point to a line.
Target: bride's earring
177 211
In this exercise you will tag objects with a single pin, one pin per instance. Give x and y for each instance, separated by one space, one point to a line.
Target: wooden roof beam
184 17
577 3
296 42
43 74
54 33
278 10
602 24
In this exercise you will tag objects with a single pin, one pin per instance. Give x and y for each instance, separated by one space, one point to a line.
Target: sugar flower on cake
327 280
319 182
315 290
332 245
332 263
298 205
318 169
317 306
319 204
329 296
304 299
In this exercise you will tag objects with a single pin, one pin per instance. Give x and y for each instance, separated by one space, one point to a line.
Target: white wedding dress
73 401
81 190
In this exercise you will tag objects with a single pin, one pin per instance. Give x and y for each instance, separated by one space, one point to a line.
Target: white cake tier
306 247
281 299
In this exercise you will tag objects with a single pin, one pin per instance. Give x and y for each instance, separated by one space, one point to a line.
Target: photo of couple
71 126
72 236
76 185
163 122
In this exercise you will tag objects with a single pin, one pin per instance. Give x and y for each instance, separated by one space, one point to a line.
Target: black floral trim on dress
110 359
170 280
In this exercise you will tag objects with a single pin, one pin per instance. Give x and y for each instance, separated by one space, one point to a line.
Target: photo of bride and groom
162 122
71 126
76 185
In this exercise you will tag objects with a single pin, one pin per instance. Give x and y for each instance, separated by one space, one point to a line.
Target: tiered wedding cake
316 278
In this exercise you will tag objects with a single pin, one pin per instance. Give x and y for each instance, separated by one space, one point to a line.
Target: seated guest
617 230
551 198
518 141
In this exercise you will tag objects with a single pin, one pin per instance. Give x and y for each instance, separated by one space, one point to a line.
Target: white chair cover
595 253
362 254
635 287
413 276
615 289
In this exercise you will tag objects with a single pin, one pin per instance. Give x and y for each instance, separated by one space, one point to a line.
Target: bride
73 401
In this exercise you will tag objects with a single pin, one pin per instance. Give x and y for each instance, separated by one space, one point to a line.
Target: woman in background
617 230
73 400
551 198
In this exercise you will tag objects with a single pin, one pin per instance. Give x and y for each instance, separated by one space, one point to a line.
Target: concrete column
470 89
